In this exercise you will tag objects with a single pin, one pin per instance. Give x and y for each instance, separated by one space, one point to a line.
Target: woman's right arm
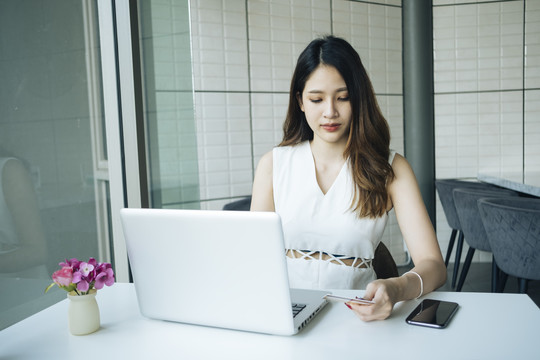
262 195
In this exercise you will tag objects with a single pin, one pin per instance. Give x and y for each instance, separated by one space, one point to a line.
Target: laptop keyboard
296 308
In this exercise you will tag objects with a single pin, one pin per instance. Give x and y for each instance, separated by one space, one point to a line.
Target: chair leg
466 266
523 285
502 281
494 275
450 247
459 248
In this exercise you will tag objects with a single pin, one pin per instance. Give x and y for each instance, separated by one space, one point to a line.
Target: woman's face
325 102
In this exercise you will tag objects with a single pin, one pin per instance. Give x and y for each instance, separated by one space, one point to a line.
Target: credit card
343 299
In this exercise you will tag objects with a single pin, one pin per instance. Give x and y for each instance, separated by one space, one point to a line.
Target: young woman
333 180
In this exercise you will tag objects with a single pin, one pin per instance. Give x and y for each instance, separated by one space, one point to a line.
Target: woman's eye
315 100
343 98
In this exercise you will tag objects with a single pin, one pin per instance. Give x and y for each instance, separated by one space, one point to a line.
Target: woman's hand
384 293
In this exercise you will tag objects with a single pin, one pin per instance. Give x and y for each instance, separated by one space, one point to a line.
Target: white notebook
200 259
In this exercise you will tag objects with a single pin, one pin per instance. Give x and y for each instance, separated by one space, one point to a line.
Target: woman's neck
328 160
327 152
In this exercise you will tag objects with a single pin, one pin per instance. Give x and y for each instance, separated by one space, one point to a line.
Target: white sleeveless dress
317 222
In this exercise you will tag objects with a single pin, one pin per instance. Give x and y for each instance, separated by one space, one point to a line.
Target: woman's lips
331 127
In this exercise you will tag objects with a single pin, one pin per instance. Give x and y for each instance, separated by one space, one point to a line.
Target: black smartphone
433 313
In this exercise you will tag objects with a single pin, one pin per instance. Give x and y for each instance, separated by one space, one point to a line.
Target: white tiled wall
278 32
268 113
478 47
375 31
223 133
487 82
532 134
479 131
219 44
532 94
532 44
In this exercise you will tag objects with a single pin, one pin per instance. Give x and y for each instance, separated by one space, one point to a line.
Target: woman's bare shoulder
266 161
262 192
404 179
400 165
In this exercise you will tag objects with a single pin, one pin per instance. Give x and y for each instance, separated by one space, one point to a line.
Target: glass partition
53 172
168 95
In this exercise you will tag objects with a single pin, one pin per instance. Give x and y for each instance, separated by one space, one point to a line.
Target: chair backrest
513 229
239 205
19 211
383 263
466 203
445 187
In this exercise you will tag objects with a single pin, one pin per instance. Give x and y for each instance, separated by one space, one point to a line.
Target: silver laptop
223 269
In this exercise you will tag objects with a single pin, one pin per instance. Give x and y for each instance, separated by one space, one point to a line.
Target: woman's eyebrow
320 91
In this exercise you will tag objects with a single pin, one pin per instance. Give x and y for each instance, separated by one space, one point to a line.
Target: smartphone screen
433 313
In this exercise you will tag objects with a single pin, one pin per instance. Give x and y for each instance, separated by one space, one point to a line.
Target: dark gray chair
239 205
466 203
513 229
445 187
383 263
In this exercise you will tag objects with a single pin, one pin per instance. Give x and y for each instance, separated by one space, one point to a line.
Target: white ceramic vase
83 313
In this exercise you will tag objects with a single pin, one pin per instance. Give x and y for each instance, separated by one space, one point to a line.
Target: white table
530 185
490 326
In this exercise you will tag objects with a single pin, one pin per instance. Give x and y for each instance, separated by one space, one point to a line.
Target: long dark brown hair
368 144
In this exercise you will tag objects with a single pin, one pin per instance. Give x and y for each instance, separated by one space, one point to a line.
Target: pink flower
77 275
73 263
64 276
93 262
85 268
83 285
106 277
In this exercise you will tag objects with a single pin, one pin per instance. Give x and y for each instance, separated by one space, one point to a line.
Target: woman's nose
330 111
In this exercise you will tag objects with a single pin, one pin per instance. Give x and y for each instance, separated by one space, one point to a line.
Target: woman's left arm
419 235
